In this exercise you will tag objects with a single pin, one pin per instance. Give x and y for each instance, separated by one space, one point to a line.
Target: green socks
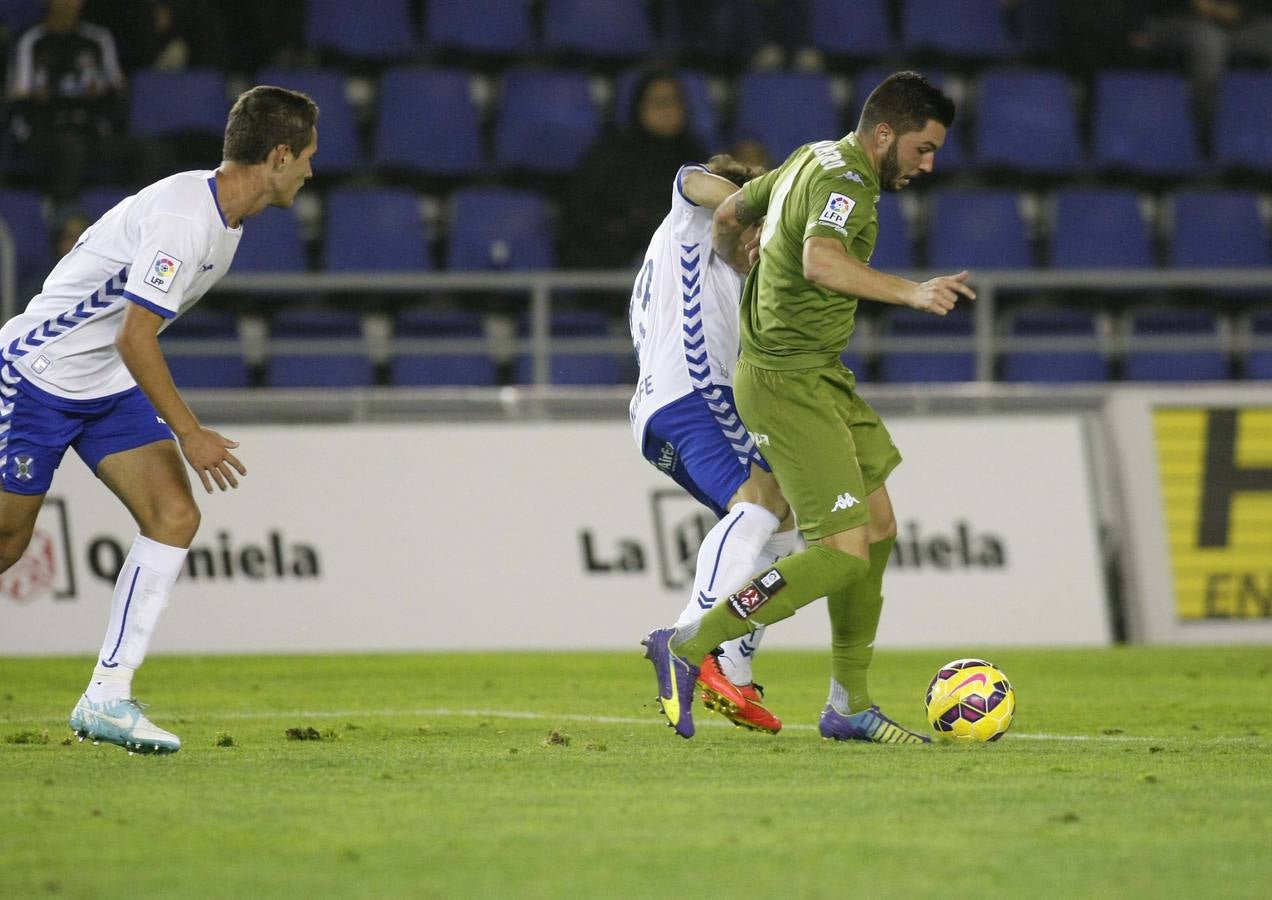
854 620
773 595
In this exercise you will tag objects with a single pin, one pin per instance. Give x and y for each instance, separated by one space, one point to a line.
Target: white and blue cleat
123 723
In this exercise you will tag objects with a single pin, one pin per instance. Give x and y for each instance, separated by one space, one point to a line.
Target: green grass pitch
1128 773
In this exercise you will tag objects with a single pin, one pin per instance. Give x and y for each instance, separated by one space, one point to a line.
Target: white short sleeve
168 257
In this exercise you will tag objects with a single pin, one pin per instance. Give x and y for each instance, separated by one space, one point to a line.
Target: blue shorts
701 443
41 426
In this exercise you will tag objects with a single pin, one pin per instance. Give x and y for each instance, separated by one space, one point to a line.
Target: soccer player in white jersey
82 368
684 324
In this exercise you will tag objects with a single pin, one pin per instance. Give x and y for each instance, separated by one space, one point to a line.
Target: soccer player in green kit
829 450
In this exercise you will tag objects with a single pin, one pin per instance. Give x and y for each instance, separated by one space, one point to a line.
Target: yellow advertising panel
1215 465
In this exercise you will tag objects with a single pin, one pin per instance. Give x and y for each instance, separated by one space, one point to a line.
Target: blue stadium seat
339 150
704 120
374 229
936 347
1258 363
1242 128
859 30
428 123
783 110
1217 228
1100 228
271 242
1050 363
1175 345
342 361
1143 124
195 366
977 229
961 29
582 367
23 212
597 28
893 248
546 121
412 367
354 30
1027 122
186 101
19 15
96 202
489 27
499 228
952 156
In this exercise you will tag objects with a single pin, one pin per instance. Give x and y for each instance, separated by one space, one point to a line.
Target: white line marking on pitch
712 721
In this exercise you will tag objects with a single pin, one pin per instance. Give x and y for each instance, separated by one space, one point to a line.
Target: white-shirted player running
82 368
684 324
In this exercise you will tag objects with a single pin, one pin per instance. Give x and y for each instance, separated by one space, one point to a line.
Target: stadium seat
1068 348
1258 363
23 212
96 202
546 121
489 27
374 229
894 250
318 348
934 348
1099 228
1027 122
1143 124
578 368
202 350
1217 228
858 30
340 152
960 29
271 242
703 118
353 30
783 110
19 15
422 367
181 102
977 229
1175 345
597 28
1242 128
427 123
499 228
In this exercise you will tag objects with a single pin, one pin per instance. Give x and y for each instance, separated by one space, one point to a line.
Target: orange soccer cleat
740 704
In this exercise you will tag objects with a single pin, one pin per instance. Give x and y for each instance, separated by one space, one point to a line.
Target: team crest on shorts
23 468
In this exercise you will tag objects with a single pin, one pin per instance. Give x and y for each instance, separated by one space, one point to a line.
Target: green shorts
827 447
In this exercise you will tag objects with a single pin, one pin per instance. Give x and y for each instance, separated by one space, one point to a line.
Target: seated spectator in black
66 91
618 195
164 34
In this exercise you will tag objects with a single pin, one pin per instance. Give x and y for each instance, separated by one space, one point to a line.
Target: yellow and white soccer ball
970 700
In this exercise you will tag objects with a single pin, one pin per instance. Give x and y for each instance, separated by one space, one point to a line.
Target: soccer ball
970 700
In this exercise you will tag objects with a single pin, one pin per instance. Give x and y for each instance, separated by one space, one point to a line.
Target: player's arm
207 452
828 264
733 229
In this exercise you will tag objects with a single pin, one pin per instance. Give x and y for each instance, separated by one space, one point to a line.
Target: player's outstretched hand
938 295
209 454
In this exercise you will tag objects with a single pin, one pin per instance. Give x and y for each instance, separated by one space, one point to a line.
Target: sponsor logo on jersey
838 208
162 271
844 501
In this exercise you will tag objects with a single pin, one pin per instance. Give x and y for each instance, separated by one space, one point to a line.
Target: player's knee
882 528
851 543
762 490
174 522
13 543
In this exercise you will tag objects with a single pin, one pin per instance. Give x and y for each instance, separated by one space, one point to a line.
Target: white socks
141 594
739 545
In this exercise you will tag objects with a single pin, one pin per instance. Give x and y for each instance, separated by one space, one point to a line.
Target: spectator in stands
164 34
1209 34
67 92
619 194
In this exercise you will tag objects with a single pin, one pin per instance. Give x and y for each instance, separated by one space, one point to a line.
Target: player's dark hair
264 117
726 166
906 101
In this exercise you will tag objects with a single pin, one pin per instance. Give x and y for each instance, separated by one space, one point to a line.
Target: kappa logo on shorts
163 271
844 501
23 468
756 594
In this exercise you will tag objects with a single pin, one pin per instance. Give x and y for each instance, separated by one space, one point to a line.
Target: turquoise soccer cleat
123 723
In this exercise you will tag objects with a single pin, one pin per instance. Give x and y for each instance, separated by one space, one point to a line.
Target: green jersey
825 189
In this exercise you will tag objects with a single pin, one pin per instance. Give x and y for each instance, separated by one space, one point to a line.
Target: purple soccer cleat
676 679
868 725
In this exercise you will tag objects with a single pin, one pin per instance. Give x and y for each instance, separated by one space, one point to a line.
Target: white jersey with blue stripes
164 247
684 319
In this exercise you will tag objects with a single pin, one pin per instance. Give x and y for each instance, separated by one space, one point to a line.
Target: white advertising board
554 535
